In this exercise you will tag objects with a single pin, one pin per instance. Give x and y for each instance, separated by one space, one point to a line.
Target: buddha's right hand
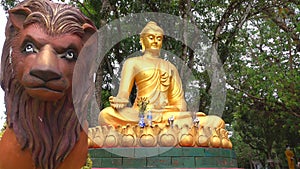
118 103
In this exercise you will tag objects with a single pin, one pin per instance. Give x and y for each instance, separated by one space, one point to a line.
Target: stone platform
163 157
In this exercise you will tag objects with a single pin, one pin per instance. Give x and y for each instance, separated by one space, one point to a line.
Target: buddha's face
152 41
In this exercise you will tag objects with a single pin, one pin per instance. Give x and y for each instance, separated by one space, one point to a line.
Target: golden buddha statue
157 80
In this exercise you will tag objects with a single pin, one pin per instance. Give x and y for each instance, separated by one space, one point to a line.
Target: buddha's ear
142 43
89 30
17 16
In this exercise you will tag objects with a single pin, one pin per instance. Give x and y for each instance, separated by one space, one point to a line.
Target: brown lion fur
49 129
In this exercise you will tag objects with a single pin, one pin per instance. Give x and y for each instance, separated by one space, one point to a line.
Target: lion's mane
48 129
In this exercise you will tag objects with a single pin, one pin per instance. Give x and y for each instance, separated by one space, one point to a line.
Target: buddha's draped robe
162 85
290 158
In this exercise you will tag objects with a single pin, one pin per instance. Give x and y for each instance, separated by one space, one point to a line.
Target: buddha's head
151 38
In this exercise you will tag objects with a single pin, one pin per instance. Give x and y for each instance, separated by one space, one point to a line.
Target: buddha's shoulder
132 60
168 63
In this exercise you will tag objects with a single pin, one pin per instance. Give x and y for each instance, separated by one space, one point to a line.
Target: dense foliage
259 46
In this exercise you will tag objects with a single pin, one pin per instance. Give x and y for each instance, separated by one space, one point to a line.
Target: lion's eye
71 55
29 48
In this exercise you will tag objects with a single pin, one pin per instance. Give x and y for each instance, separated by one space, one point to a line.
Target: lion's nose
46 74
46 65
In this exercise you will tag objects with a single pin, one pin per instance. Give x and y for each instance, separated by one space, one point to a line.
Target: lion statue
43 41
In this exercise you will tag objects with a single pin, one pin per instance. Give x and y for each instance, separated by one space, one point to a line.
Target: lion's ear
89 30
18 15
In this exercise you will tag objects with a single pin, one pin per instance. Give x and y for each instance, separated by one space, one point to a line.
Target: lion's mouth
55 86
44 93
45 88
48 91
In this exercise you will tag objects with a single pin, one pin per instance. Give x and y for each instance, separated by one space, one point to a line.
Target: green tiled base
163 157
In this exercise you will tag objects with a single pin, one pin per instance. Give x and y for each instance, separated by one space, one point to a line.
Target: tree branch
239 24
249 95
224 19
282 25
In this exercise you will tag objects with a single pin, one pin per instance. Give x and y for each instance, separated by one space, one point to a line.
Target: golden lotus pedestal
155 136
